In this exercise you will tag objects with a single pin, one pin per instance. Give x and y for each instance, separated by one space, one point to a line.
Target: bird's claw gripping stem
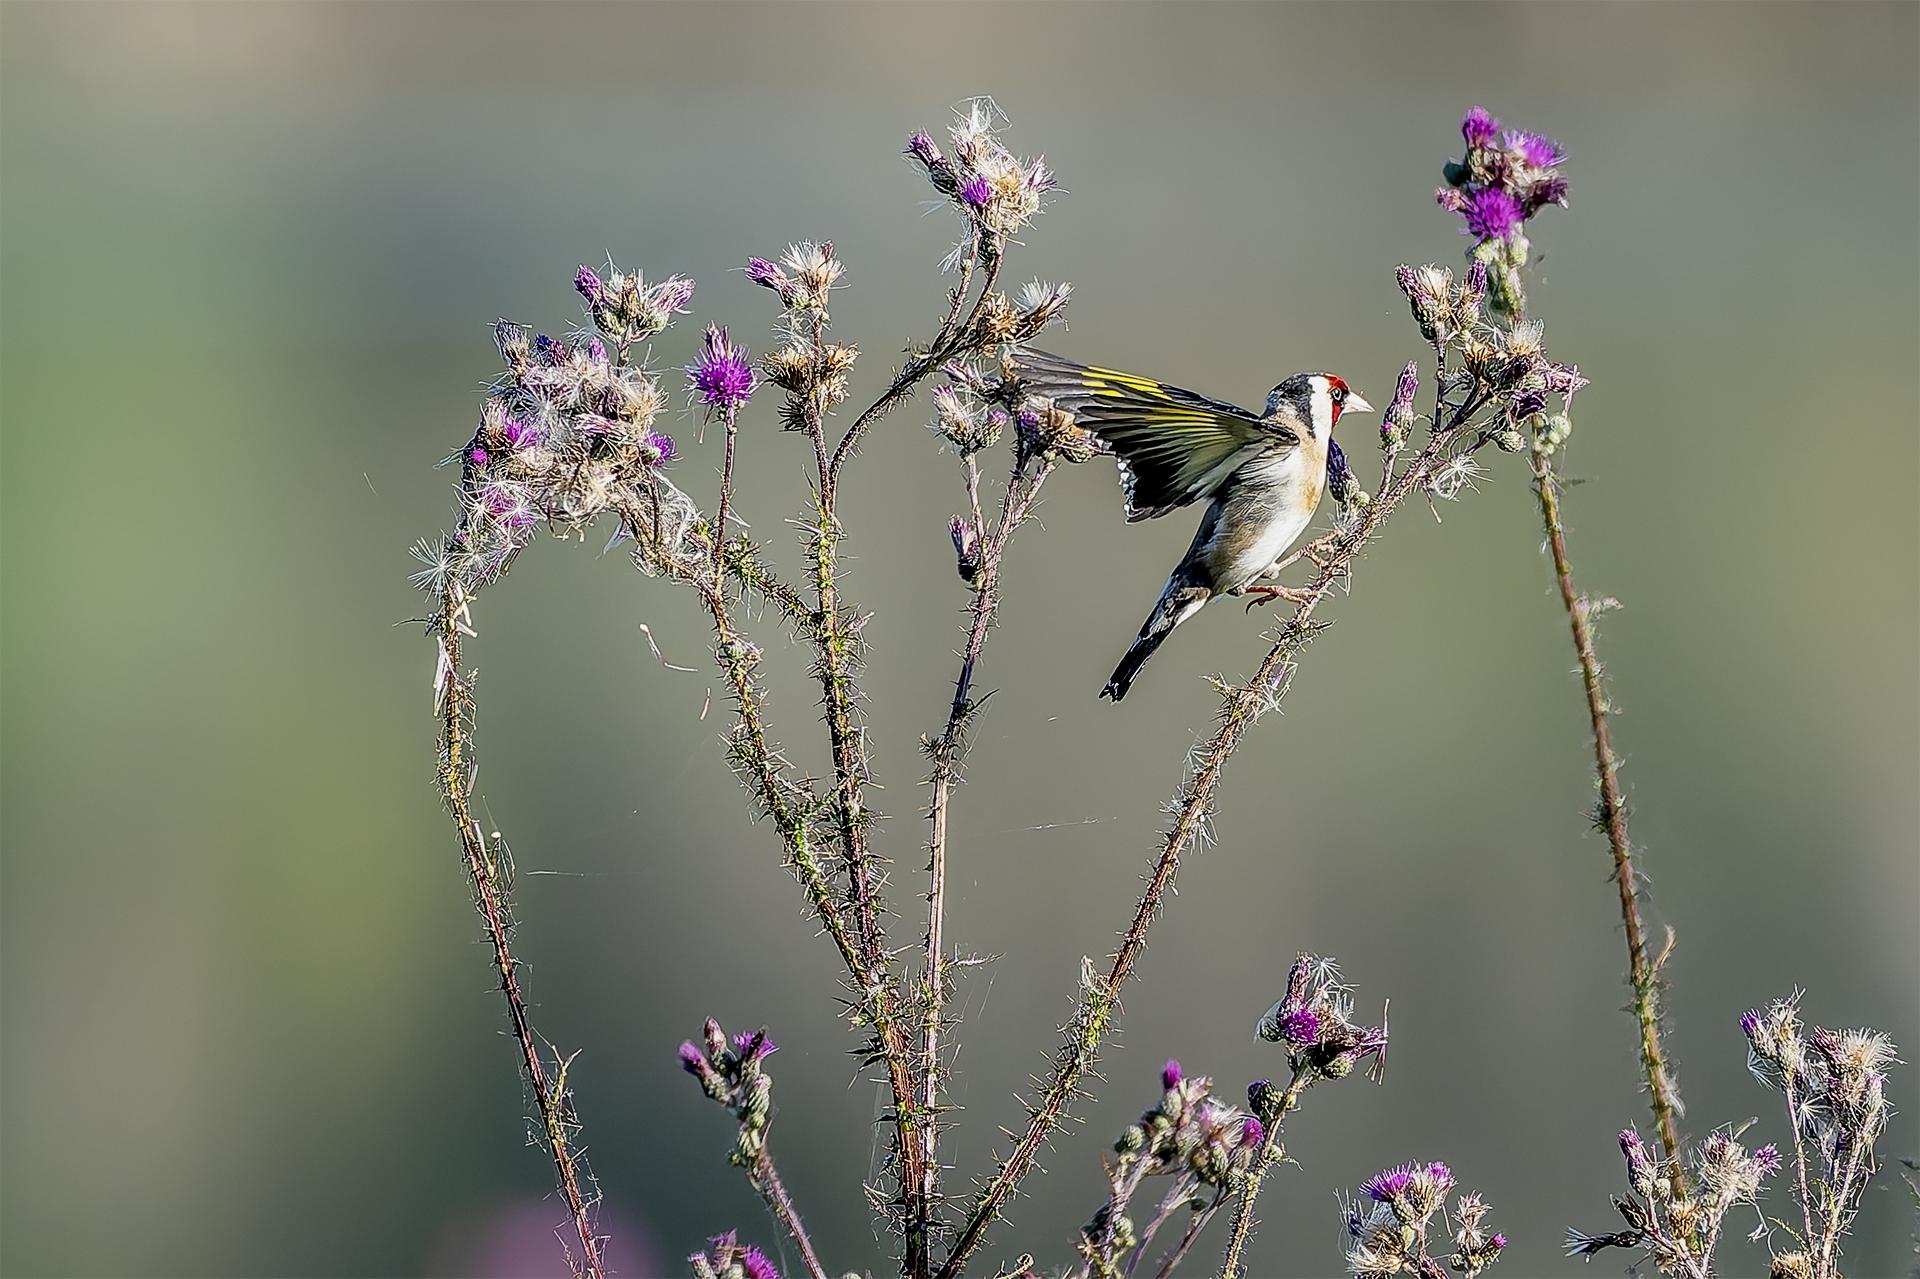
1268 594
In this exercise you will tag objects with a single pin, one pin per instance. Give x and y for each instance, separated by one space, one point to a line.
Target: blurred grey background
250 257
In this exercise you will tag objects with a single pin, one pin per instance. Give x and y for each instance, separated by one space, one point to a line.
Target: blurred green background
251 254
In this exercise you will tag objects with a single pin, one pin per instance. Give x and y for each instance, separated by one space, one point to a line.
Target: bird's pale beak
1356 404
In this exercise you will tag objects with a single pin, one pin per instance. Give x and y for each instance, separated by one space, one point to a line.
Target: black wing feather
1175 446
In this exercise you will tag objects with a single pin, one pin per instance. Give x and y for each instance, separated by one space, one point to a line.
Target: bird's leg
1320 551
1268 594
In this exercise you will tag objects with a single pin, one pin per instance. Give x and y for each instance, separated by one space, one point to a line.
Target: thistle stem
1270 1152
766 1179
949 342
1642 971
550 1096
948 751
730 416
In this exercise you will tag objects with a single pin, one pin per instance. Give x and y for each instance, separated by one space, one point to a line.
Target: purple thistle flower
756 1265
1547 191
1252 1132
1406 390
596 350
1338 473
521 435
693 1061
1492 214
550 351
1302 1025
1565 379
1441 1175
764 273
1259 1093
589 285
478 455
1537 149
1750 1022
1385 1187
672 294
722 378
1767 1160
752 1045
664 452
921 147
977 192
1497 1242
1526 402
1479 128
1171 1074
1477 281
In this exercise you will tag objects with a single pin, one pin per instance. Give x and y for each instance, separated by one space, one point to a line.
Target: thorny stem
945 345
1642 971
1839 1216
556 1110
1799 1157
790 811
766 1180
1178 1193
1199 1222
835 642
730 415
1193 804
948 751
1121 1188
1270 1152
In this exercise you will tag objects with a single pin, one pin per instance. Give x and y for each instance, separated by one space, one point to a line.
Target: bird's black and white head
1311 403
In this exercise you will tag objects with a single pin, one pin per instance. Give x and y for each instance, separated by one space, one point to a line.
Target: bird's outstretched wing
1175 447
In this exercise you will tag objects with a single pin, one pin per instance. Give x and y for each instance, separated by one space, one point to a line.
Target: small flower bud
765 273
921 147
589 286
1171 1074
511 339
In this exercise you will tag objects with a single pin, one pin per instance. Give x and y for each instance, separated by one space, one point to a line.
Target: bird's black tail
1177 603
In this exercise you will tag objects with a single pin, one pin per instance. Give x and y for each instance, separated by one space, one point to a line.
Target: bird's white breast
1274 506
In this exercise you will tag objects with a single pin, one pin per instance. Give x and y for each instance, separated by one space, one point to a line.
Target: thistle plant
1502 181
1391 1226
568 438
1834 1087
730 1072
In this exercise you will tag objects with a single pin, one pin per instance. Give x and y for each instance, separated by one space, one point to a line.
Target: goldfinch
1261 474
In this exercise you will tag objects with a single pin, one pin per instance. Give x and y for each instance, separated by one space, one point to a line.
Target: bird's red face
1331 396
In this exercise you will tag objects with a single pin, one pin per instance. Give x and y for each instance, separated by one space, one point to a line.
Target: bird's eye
1339 395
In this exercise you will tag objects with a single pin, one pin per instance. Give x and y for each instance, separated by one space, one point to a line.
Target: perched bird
1262 474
